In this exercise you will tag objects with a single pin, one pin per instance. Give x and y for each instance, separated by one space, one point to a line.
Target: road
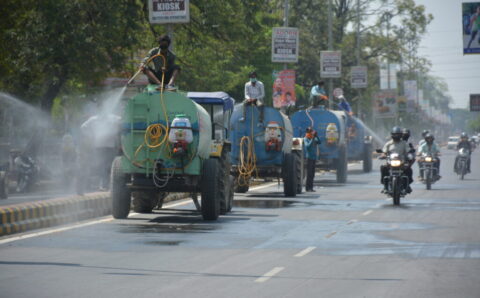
341 241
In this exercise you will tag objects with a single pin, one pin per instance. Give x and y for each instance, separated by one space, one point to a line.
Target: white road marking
264 186
80 225
269 274
351 221
331 234
305 251
367 212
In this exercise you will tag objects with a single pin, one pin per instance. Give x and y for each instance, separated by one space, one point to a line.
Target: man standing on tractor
164 68
254 94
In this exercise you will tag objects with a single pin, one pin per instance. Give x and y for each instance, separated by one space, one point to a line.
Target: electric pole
330 48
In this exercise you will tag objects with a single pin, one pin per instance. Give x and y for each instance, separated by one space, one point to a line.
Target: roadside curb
23 217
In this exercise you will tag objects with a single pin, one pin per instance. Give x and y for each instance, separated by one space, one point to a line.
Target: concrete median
47 213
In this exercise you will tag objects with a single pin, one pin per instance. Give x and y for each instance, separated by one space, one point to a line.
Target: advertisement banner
410 91
471 27
285 42
284 88
358 77
168 11
384 76
385 104
330 64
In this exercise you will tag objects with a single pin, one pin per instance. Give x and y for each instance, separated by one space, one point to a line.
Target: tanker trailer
265 150
168 145
359 143
331 129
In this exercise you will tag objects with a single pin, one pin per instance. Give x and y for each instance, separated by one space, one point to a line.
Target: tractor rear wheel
121 195
289 174
367 158
342 164
211 176
300 170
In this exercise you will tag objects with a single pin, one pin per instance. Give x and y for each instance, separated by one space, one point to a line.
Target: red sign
284 89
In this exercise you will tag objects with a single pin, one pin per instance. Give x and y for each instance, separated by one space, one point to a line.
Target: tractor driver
170 70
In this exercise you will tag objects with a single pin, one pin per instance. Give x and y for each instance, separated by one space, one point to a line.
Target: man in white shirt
254 94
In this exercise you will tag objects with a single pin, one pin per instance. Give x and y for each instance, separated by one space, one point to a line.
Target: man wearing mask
310 141
429 147
463 143
318 95
395 145
254 94
170 69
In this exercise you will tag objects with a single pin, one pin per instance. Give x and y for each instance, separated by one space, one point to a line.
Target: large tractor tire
3 185
226 186
367 158
144 201
342 164
121 195
211 189
300 170
289 174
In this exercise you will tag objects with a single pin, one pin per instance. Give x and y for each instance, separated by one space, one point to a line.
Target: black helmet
164 37
429 138
464 136
252 74
406 134
425 132
396 133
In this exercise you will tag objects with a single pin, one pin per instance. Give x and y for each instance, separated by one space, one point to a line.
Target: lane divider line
305 252
331 234
367 212
269 274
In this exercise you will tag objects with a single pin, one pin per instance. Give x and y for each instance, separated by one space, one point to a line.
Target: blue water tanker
342 137
265 150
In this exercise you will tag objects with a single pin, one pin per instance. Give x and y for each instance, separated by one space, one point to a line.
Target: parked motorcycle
27 174
429 169
462 162
397 180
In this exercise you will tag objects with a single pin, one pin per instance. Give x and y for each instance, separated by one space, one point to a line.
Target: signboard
285 44
168 11
385 104
358 77
471 27
284 88
474 102
330 64
384 75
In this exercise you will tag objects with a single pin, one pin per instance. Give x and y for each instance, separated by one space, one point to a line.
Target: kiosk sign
330 64
358 77
169 11
285 45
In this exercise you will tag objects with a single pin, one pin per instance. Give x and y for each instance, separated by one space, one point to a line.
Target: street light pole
330 48
285 23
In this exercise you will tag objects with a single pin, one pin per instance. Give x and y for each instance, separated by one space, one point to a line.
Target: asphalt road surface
341 241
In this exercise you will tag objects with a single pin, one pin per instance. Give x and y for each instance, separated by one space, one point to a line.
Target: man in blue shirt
310 142
344 105
318 95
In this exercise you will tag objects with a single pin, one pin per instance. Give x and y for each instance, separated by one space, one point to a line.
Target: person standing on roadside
310 141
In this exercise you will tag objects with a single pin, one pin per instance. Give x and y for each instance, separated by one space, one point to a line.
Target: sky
443 46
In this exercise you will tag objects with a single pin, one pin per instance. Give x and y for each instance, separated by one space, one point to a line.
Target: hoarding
169 11
474 102
284 88
385 104
471 27
330 64
385 75
358 77
410 92
285 44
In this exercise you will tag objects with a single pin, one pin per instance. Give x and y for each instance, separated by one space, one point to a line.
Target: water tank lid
216 98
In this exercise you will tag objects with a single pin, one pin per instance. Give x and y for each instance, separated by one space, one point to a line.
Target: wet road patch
167 228
266 204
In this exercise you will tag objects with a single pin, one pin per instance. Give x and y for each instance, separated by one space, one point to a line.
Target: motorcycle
397 180
27 174
462 162
429 169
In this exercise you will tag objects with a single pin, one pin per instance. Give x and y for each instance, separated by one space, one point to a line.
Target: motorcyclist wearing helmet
431 148
410 155
463 143
395 145
424 133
